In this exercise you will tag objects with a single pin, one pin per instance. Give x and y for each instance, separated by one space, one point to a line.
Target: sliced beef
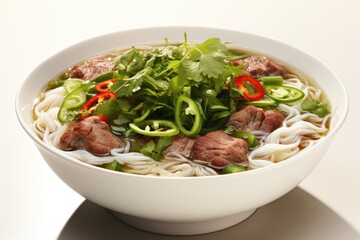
259 66
252 118
92 68
247 119
91 134
219 149
273 120
181 144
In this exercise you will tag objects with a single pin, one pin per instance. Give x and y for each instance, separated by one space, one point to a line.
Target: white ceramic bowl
176 205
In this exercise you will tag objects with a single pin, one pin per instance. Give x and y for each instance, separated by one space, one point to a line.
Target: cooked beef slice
181 144
259 66
92 68
219 149
92 135
253 118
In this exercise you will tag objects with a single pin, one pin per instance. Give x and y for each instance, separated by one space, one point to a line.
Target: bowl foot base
184 228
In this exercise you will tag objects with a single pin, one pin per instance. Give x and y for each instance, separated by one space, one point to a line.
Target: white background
36 204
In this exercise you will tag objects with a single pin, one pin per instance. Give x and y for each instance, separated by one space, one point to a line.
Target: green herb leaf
131 61
109 108
316 107
122 120
124 104
189 70
172 65
157 85
212 64
154 149
213 45
163 143
128 86
149 149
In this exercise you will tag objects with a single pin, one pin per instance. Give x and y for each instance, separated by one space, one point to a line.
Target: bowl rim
58 153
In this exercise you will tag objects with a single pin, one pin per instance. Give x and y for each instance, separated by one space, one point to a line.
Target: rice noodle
46 124
299 130
137 163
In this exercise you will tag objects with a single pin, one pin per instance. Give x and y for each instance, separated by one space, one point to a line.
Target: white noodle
299 130
46 124
50 99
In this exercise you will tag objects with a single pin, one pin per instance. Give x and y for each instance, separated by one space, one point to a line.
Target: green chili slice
143 117
233 168
271 80
192 111
284 94
72 83
72 101
155 128
252 141
266 101
249 137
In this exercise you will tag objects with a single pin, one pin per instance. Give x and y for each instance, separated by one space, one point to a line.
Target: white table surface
36 204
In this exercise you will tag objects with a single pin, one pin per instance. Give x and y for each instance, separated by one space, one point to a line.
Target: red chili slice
241 82
104 86
95 100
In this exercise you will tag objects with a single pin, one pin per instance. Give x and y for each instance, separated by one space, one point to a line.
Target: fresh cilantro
109 108
154 149
157 85
147 92
120 126
127 86
156 78
316 107
189 71
212 65
122 119
124 104
170 68
149 150
213 45
131 61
